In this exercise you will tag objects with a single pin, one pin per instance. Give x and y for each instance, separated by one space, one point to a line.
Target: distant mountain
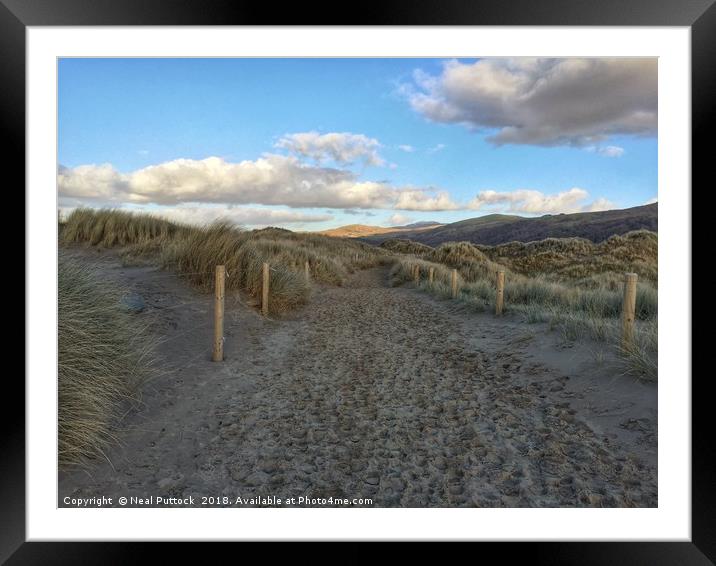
363 230
423 224
495 229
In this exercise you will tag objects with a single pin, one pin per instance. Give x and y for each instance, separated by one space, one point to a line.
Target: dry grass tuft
641 358
110 228
197 254
103 356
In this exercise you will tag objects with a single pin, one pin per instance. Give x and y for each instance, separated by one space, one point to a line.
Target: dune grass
194 252
581 301
478 282
109 228
571 283
104 354
582 261
642 356
197 253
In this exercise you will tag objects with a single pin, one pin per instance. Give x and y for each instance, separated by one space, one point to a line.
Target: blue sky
489 136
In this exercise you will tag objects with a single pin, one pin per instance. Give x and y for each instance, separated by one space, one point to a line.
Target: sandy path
380 393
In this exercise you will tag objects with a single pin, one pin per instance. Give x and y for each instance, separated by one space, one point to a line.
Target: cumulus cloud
343 147
240 215
419 199
547 102
536 202
269 180
406 148
280 180
398 219
91 182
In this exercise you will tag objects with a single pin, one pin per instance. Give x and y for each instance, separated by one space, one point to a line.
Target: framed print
390 279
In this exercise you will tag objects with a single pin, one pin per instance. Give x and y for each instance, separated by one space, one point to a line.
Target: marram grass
104 354
194 252
586 308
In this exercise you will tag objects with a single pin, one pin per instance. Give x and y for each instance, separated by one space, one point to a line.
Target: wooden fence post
629 309
218 351
416 274
431 275
307 268
500 294
265 290
454 283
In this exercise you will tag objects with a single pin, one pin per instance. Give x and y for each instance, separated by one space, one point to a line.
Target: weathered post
265 290
218 350
500 293
629 309
416 274
307 269
454 283
431 275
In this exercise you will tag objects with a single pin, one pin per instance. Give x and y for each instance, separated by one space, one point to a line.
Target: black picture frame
699 15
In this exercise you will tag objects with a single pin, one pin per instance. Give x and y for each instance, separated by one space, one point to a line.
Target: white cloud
278 180
608 151
398 219
419 199
240 215
91 182
598 205
406 148
536 202
543 101
343 147
436 148
270 180
651 200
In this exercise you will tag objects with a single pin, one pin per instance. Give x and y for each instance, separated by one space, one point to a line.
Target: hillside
495 229
363 230
579 259
564 260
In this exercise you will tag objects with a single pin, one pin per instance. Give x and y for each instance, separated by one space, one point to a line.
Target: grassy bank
103 356
194 252
581 261
581 299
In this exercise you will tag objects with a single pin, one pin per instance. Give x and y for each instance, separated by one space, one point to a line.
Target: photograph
384 276
357 282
